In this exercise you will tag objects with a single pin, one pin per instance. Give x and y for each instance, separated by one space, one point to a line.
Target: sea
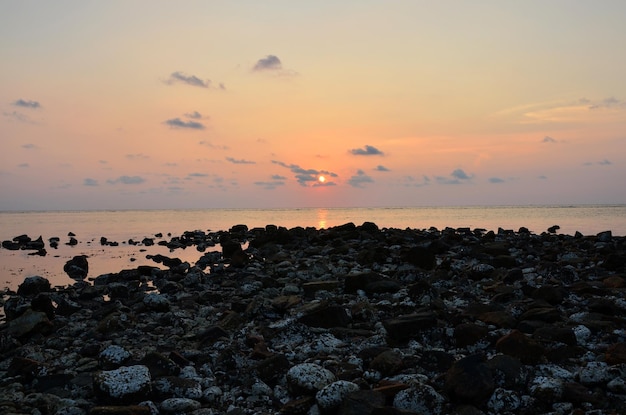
123 226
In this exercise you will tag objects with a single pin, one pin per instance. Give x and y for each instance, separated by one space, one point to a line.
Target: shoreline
386 318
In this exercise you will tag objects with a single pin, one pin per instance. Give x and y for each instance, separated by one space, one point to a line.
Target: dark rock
33 286
420 256
549 293
31 322
362 402
43 302
556 334
387 363
11 245
121 410
273 368
77 268
325 315
507 371
405 327
72 242
518 345
466 334
553 229
616 354
470 380
26 369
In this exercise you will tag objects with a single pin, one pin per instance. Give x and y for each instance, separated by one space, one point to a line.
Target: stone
308 378
518 345
616 354
156 302
331 396
176 387
403 328
31 322
470 380
113 356
421 399
33 285
325 315
126 385
466 334
504 401
77 268
120 410
361 402
387 363
160 365
179 405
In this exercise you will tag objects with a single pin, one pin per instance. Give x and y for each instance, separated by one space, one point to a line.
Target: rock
467 334
421 399
325 315
504 401
160 365
616 354
308 378
470 380
33 286
331 396
113 356
31 322
421 257
518 345
361 402
405 327
173 386
121 410
156 302
387 363
126 385
179 405
77 268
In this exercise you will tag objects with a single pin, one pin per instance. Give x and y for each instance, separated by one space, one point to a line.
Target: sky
281 104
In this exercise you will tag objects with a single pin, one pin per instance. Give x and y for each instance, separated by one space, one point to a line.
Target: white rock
179 405
308 377
422 399
582 334
332 395
594 373
546 388
503 401
114 354
122 383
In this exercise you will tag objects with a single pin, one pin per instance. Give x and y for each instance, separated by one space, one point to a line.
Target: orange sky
239 104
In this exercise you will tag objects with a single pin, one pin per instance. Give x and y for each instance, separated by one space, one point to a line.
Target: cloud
458 176
197 175
178 123
381 168
240 161
137 156
19 117
23 165
27 104
270 185
366 151
610 102
194 115
278 177
410 181
270 62
305 176
127 180
90 182
179 77
496 180
29 146
604 162
548 139
360 179
211 145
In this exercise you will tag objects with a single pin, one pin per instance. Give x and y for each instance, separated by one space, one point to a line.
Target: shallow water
121 226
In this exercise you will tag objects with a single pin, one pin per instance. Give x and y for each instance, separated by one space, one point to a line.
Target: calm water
121 226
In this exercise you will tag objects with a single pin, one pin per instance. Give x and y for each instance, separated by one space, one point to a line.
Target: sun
321 179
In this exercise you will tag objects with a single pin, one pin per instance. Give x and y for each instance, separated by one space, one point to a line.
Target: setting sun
321 179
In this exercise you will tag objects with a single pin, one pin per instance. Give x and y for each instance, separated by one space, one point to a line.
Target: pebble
346 320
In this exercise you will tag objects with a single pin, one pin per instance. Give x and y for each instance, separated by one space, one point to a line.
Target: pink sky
151 104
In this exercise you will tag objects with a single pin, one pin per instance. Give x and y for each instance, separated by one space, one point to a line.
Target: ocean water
121 226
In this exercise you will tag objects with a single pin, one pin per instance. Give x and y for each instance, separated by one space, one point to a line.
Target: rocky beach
353 319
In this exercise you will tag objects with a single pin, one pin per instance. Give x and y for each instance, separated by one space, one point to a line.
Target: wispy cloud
29 146
197 175
239 161
178 123
194 115
211 145
18 116
610 102
27 104
127 180
496 180
381 168
604 162
179 77
366 151
23 165
272 184
360 179
410 181
306 176
138 156
548 139
90 182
